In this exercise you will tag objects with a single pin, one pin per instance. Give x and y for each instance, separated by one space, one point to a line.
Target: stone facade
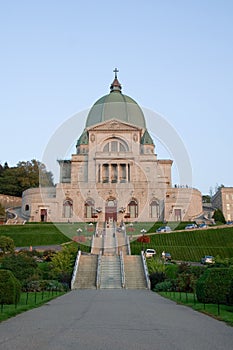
223 200
10 201
114 174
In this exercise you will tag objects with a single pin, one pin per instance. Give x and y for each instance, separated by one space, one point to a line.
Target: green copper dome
147 139
83 139
115 105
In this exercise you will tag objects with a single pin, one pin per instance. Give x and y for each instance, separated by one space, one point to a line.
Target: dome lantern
116 106
115 86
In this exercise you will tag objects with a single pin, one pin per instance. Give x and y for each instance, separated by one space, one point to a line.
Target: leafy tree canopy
7 244
22 266
26 174
206 199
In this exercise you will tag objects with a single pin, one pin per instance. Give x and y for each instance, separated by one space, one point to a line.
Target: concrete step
86 274
134 273
110 275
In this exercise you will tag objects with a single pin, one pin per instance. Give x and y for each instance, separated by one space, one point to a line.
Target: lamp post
79 230
143 231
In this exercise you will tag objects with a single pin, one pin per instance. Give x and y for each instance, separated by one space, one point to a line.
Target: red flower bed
79 239
143 239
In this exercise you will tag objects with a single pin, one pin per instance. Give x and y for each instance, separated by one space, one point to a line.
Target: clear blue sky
175 57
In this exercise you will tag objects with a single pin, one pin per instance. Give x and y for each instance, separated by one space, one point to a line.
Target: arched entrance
111 210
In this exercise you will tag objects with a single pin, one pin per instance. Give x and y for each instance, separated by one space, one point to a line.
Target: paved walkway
114 320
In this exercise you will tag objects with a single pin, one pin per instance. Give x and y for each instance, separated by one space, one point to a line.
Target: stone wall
10 201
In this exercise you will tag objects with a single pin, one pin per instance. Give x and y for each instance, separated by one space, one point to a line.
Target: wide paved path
114 320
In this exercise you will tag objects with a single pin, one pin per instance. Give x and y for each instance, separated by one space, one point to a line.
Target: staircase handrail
127 239
98 279
92 243
128 245
122 269
116 242
75 270
146 273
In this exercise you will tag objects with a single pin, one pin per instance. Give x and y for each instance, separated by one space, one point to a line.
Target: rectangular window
122 172
228 207
114 146
227 197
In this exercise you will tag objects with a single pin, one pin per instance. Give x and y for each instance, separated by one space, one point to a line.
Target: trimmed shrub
42 285
9 288
230 293
214 285
155 278
171 271
163 286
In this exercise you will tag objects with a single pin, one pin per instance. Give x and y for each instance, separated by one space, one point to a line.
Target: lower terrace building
223 200
115 173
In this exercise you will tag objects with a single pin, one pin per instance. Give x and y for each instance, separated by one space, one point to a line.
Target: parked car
203 225
207 259
164 229
166 256
150 253
229 223
190 226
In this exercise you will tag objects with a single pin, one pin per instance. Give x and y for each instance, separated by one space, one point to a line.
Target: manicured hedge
214 285
9 288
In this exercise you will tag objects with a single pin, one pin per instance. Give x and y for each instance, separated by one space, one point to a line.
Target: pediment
114 124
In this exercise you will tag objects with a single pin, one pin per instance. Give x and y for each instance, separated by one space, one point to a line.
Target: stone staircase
97 245
109 241
112 245
110 274
86 274
122 244
134 273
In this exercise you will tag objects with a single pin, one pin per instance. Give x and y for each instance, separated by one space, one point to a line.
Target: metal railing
75 270
122 270
98 271
146 273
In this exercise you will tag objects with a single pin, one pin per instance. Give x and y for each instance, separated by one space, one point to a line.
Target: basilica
115 174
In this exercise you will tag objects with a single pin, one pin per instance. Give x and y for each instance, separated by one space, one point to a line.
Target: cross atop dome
115 86
116 71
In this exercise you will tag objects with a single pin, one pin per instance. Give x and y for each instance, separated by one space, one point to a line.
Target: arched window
154 209
133 208
67 208
26 207
116 145
89 208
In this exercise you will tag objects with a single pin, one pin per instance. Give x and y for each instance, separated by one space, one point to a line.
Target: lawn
45 234
191 245
34 235
27 301
222 313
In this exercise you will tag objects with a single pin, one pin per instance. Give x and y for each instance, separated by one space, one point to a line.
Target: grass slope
35 234
191 245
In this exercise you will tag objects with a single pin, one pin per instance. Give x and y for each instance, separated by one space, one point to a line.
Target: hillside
191 245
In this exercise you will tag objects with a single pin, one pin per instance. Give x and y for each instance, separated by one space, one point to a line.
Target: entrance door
111 210
43 215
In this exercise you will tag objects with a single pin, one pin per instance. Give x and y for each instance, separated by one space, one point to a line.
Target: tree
22 266
218 216
9 288
7 244
213 286
62 263
206 199
15 180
